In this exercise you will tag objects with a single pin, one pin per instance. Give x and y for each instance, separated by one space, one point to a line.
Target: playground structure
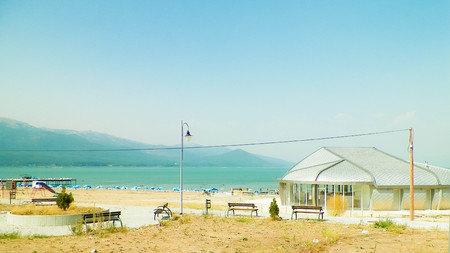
39 186
9 187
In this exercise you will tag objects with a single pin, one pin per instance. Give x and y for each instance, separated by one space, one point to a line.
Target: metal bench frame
242 207
162 209
307 209
102 217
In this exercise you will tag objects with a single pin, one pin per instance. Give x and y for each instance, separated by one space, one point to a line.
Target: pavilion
367 179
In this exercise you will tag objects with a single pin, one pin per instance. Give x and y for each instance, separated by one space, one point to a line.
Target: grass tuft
389 225
32 209
330 235
13 235
100 229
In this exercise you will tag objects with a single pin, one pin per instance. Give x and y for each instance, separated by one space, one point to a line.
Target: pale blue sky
236 71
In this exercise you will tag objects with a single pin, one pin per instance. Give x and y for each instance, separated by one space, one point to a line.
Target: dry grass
206 233
195 233
335 206
32 209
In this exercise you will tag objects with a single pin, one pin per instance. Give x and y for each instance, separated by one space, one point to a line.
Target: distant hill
24 145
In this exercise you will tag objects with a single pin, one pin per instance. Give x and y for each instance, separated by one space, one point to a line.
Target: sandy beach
196 232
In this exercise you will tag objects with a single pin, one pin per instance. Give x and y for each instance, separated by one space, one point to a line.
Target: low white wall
43 220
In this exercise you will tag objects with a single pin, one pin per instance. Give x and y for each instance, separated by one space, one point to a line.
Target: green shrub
13 235
274 210
64 199
388 224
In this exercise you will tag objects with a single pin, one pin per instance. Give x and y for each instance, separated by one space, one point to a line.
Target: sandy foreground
196 232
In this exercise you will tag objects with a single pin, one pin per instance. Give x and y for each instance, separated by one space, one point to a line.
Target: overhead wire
207 146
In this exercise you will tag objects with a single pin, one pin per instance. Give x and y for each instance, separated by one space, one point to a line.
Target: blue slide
45 186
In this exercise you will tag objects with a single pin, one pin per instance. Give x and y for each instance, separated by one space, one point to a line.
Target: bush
64 199
274 210
383 223
388 224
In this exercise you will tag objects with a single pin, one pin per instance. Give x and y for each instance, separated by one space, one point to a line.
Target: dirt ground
201 233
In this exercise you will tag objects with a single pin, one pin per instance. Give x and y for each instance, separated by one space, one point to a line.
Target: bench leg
121 225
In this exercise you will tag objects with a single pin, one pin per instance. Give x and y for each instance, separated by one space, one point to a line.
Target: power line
211 146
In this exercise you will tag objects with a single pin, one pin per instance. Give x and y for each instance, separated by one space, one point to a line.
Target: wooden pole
411 174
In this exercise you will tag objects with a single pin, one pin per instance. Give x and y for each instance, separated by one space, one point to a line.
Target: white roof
365 166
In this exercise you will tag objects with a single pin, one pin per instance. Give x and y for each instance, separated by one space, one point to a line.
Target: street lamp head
188 135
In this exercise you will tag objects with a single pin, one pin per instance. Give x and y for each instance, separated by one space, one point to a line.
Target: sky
235 71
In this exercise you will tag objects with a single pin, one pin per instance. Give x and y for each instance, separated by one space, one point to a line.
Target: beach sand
194 232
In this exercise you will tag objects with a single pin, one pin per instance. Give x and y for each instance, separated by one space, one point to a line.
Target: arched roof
363 165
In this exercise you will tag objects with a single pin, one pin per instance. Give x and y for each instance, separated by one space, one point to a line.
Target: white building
367 178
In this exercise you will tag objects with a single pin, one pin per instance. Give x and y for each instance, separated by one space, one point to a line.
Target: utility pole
411 174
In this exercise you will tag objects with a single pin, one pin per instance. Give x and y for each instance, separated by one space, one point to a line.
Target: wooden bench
102 217
162 209
307 209
242 207
44 201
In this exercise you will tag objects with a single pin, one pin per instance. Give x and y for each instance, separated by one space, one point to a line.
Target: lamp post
411 175
188 134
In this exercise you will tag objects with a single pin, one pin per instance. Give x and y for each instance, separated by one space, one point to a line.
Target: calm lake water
168 177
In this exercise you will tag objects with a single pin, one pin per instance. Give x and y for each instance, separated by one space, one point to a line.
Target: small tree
274 210
64 199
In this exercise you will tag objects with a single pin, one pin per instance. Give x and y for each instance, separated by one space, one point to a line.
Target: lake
223 178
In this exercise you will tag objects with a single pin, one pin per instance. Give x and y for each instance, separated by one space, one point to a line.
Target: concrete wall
43 220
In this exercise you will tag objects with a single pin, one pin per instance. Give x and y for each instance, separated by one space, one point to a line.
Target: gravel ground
138 216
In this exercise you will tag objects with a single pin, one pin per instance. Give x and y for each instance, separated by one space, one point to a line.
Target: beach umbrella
87 187
176 189
99 187
161 189
152 188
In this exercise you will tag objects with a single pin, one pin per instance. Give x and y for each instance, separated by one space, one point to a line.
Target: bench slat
242 207
102 217
162 209
307 209
44 201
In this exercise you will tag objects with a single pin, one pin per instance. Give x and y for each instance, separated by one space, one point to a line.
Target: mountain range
24 145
